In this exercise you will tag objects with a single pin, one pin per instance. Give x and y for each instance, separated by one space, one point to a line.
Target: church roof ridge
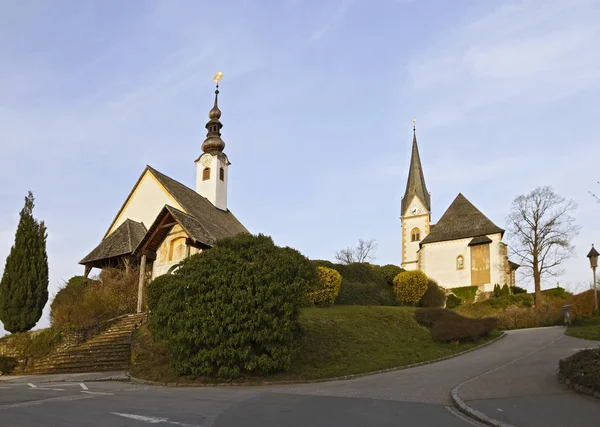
460 221
415 185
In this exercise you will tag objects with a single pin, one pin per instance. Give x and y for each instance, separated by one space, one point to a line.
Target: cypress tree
24 284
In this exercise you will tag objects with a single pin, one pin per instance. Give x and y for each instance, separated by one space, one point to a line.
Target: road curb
474 413
291 382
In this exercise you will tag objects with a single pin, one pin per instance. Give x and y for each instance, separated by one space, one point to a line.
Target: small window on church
415 235
222 174
460 262
206 174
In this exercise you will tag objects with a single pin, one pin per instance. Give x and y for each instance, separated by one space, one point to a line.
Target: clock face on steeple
415 209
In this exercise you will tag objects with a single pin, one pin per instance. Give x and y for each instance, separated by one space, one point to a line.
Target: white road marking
98 392
151 420
40 402
83 386
31 385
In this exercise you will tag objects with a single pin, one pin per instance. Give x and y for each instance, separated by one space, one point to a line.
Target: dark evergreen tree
24 284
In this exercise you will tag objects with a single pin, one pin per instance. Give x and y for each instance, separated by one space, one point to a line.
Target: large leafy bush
583 368
410 286
330 281
232 309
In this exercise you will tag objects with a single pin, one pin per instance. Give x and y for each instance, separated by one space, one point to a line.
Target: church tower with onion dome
212 165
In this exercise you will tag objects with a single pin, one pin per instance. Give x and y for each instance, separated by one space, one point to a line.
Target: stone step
86 356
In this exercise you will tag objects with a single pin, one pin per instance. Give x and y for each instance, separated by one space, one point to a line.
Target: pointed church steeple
415 185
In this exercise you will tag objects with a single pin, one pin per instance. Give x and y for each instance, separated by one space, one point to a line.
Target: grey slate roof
121 242
202 221
156 234
216 222
415 186
480 240
460 221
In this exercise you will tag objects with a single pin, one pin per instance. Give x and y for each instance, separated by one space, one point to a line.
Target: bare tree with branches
363 252
541 228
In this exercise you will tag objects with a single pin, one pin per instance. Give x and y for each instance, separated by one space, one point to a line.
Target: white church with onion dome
464 248
162 221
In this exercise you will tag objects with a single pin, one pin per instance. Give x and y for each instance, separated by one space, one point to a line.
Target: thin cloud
530 52
335 17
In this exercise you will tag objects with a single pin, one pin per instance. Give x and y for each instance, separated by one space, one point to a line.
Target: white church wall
439 262
148 198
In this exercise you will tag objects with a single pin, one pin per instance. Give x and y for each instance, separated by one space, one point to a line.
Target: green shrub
330 281
410 286
388 272
517 290
434 295
583 368
37 343
233 309
7 365
465 293
497 293
505 290
524 300
362 284
453 301
85 301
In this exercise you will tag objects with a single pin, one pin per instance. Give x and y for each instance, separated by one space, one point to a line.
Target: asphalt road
413 397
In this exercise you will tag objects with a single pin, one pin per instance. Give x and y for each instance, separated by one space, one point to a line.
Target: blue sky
317 100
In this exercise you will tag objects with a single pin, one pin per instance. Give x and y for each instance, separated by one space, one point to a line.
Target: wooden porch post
141 283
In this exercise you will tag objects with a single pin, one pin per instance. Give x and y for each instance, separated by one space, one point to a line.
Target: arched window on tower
460 262
415 235
206 174
222 174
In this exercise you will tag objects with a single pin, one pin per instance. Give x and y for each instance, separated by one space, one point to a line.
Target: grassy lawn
588 329
339 340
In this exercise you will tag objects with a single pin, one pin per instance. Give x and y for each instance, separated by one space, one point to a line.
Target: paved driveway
412 397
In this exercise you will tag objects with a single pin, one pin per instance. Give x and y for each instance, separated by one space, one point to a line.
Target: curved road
512 380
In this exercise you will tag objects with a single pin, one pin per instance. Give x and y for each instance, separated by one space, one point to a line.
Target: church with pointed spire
162 221
464 247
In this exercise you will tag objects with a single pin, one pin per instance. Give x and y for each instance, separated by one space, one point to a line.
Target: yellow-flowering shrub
410 286
330 281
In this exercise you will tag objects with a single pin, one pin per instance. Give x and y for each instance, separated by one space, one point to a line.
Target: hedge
362 284
233 309
465 293
583 368
447 325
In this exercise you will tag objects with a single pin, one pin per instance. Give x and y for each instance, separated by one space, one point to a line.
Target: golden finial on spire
218 77
414 122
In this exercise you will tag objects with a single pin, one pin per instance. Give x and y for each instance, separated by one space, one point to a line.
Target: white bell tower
212 166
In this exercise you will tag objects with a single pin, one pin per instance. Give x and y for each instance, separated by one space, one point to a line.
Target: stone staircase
109 350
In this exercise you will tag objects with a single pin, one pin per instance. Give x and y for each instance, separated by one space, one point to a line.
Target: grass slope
588 329
339 340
